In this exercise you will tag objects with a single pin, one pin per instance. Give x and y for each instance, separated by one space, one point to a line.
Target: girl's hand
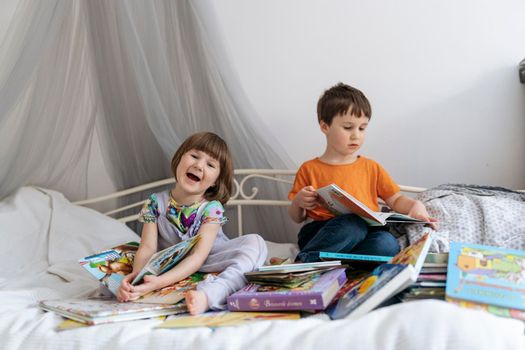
418 211
125 291
306 198
150 283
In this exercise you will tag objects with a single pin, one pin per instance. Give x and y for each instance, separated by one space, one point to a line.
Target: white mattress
44 235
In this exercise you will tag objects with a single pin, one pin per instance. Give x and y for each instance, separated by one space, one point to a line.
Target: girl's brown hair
215 147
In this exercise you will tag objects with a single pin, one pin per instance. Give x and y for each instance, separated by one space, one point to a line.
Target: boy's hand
307 198
418 211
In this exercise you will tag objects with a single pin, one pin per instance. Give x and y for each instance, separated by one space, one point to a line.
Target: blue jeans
344 234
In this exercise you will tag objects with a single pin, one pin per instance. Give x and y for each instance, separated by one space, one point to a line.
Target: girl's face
196 172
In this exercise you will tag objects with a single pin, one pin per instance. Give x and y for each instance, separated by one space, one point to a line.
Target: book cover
487 275
383 282
226 318
493 309
110 266
99 311
341 202
313 295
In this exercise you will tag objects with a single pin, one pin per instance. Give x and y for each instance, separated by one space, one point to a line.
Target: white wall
441 76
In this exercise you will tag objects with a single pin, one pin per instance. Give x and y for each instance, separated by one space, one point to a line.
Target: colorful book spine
356 257
318 297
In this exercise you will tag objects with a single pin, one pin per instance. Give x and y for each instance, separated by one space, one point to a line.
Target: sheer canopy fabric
142 75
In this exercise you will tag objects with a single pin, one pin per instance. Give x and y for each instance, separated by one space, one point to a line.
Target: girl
203 172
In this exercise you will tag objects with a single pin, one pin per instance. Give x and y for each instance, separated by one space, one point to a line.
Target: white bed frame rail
239 198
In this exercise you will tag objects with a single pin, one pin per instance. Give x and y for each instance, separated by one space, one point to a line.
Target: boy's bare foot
196 301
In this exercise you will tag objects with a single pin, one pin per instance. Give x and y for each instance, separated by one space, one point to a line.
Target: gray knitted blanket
473 214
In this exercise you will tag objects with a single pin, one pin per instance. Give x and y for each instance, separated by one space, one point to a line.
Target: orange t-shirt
364 179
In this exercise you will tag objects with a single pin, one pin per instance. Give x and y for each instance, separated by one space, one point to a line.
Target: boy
343 113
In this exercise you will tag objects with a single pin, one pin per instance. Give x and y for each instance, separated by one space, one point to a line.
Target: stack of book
431 281
308 286
384 282
487 278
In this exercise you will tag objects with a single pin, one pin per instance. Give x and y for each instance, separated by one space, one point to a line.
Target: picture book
99 311
341 202
110 267
493 309
283 279
383 282
356 260
487 275
312 295
226 318
295 267
165 259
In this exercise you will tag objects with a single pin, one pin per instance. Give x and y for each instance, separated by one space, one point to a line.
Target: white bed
44 235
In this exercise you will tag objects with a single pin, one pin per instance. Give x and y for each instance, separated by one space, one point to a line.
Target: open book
110 267
164 260
341 202
383 282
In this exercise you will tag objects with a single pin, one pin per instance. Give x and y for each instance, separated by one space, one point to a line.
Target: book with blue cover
486 275
356 260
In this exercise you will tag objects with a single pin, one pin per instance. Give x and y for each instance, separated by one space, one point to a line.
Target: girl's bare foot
196 301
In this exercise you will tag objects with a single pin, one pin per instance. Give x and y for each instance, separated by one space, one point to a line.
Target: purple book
314 295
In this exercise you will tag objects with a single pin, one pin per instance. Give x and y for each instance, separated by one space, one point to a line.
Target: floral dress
231 257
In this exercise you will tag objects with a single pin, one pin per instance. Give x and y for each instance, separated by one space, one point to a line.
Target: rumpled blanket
488 215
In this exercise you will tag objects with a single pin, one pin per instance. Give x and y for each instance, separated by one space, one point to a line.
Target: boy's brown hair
217 148
341 99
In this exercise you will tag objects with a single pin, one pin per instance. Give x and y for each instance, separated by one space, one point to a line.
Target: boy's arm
306 199
190 264
411 207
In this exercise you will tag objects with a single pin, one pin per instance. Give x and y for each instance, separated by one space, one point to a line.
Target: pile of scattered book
432 279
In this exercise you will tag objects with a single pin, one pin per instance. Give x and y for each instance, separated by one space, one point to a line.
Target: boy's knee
388 245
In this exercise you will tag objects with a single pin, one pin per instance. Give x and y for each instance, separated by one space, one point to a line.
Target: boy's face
346 134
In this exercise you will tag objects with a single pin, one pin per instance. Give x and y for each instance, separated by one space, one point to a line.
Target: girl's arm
190 264
147 247
411 207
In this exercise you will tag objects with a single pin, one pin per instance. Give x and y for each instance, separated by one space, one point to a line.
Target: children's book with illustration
339 202
283 279
315 294
356 260
110 267
296 267
383 282
99 311
226 318
165 259
492 309
486 275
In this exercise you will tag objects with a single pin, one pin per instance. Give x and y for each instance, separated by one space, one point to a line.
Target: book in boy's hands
486 275
99 311
312 295
385 281
110 267
226 318
165 259
340 202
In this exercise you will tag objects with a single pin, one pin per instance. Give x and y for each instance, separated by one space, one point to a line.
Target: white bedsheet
43 236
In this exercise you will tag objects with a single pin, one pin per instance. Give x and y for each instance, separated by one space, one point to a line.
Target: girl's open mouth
192 177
